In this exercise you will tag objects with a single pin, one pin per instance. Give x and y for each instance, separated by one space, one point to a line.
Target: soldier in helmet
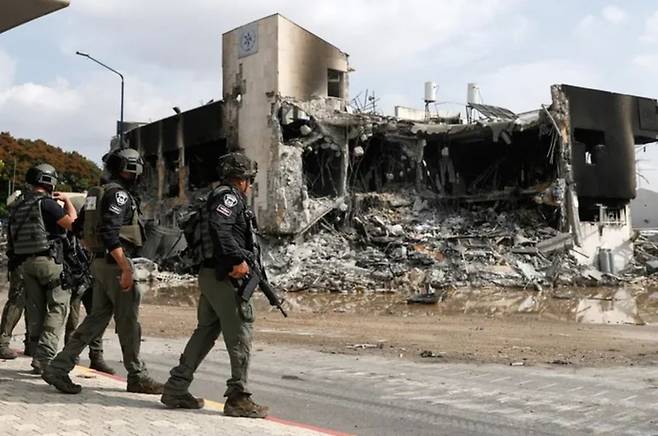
220 309
37 224
112 231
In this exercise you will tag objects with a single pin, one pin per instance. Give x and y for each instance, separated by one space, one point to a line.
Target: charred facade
286 104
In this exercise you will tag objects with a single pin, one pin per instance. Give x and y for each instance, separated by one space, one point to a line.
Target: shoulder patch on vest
115 209
230 200
121 197
223 210
90 203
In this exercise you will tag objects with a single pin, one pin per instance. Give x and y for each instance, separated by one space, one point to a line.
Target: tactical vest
131 233
196 227
27 229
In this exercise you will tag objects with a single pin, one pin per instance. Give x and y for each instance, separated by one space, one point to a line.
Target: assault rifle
257 277
76 275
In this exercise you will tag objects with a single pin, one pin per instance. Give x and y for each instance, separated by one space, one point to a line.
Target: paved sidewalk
28 406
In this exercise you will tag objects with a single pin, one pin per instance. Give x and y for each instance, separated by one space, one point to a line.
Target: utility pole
88 56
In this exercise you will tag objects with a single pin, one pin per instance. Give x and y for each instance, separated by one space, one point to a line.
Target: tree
77 173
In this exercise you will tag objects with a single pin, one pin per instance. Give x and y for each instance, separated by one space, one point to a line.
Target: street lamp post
79 53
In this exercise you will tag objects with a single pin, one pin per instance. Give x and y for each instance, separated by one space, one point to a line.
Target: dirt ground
483 326
506 326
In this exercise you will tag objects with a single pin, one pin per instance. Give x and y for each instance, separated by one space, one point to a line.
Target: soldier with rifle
226 244
37 225
77 277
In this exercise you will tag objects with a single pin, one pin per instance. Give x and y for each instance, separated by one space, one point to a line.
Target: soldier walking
225 239
37 224
113 233
77 262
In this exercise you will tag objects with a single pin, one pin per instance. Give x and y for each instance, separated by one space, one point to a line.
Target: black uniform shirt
228 228
52 212
116 211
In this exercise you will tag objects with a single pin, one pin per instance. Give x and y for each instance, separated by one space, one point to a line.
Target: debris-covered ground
504 326
396 243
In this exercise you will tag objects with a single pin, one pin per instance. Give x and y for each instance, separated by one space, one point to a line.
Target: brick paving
28 406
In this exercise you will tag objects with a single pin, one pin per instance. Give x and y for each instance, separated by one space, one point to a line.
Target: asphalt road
370 395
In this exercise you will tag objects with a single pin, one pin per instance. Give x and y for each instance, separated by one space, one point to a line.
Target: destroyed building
286 104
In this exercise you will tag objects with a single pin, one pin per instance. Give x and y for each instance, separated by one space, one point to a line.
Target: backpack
195 224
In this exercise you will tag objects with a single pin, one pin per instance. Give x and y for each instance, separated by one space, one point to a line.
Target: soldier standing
220 308
37 224
12 312
14 307
113 233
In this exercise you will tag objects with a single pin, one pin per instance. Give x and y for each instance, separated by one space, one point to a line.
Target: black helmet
124 160
236 166
44 175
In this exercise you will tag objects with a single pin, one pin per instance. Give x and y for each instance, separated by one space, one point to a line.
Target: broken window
171 183
148 181
594 142
475 163
321 164
610 212
381 165
202 163
335 83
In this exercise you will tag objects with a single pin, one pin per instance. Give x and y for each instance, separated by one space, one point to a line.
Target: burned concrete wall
264 60
250 60
599 132
605 127
308 66
180 153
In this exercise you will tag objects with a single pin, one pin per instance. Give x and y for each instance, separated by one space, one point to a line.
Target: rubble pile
645 258
148 272
393 242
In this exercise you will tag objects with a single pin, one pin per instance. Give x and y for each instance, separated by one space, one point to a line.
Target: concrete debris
652 266
378 345
147 271
430 354
387 242
426 298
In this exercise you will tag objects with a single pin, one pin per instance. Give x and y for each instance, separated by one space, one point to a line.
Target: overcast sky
170 53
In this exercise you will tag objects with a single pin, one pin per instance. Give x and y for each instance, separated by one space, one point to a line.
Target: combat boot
36 367
27 349
62 382
97 362
181 401
7 353
145 385
242 406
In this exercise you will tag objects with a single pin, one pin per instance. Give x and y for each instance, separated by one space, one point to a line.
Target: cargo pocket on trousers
246 311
